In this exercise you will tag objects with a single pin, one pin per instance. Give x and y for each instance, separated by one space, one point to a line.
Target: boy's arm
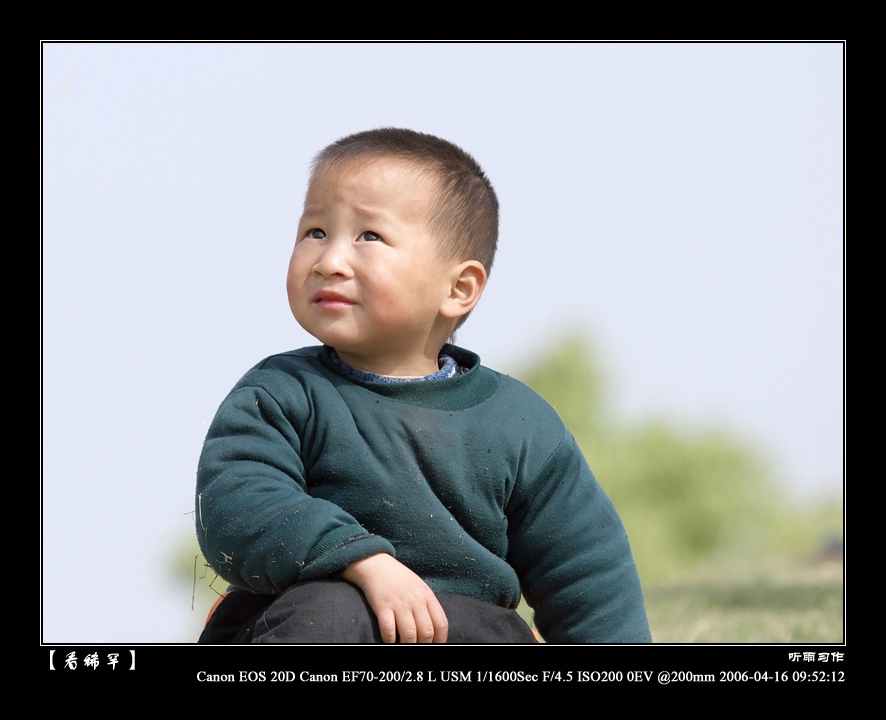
260 529
256 523
569 547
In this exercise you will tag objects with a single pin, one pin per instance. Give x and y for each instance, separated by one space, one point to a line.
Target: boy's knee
318 611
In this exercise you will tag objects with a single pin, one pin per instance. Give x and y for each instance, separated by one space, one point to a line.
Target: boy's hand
400 599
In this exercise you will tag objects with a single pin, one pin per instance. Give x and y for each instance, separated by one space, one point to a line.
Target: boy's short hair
466 212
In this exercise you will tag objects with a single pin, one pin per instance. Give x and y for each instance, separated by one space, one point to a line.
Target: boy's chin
312 331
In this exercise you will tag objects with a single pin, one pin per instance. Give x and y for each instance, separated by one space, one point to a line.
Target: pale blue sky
683 203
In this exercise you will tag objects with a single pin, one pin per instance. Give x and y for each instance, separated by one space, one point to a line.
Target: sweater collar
474 385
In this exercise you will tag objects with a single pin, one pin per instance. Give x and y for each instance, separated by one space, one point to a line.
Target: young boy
386 486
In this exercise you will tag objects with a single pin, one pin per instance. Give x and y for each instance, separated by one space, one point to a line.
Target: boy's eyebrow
373 213
365 212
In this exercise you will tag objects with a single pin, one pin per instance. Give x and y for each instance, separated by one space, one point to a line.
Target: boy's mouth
330 298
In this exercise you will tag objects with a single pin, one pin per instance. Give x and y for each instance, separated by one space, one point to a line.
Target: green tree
685 496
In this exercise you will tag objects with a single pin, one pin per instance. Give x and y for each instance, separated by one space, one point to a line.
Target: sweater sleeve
257 525
571 551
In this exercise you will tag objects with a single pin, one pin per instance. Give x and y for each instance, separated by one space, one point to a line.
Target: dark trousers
335 611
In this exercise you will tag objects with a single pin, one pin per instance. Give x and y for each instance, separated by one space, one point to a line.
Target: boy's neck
393 367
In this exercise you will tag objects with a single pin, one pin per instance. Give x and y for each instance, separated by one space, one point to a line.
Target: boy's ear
468 282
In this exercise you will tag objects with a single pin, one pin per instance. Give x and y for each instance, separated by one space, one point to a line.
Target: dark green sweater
472 482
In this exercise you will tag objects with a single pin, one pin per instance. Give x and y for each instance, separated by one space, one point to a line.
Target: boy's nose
332 261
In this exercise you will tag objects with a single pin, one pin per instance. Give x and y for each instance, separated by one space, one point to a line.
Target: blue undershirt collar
448 369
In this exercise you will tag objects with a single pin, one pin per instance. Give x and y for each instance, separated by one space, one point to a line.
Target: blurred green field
796 603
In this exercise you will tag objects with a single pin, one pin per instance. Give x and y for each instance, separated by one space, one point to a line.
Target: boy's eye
317 234
370 236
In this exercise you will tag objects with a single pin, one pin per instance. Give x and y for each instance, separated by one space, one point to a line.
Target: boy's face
366 275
